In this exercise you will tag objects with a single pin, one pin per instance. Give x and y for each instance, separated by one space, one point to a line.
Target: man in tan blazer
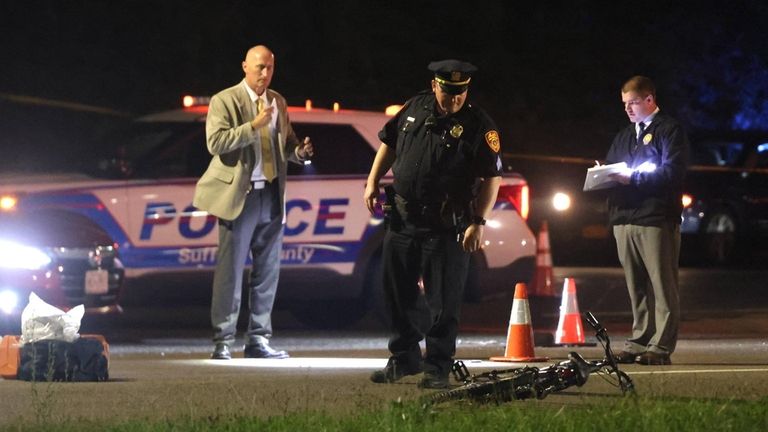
251 139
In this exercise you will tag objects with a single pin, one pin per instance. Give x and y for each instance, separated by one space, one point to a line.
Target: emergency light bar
190 101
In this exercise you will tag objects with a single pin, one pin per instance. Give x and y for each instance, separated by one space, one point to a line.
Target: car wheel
721 238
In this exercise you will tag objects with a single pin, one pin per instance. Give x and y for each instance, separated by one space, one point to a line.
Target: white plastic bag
41 321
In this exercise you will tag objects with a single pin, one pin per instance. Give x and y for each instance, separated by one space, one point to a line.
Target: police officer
444 154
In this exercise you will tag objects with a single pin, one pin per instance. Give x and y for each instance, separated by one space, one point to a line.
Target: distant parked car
726 215
61 257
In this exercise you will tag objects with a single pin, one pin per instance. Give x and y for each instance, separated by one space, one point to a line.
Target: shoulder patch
492 139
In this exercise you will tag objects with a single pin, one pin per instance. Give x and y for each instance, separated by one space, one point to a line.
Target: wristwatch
478 220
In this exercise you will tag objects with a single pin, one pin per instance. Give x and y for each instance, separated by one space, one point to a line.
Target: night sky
550 72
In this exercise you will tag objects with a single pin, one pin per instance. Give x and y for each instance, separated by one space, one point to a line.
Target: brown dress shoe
653 359
626 357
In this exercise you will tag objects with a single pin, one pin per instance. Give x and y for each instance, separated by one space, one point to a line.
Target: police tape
545 158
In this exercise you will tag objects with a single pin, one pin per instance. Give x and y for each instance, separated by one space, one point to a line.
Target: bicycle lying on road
532 382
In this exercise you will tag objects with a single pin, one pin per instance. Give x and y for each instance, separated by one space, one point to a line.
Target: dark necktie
641 127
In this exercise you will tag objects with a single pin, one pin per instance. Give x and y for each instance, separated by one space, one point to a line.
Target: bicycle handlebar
592 321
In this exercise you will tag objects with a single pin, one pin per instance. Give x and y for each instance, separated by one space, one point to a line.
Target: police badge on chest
451 134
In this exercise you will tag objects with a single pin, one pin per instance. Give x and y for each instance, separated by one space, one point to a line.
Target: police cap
453 76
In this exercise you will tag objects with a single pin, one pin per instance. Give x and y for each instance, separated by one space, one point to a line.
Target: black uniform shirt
441 157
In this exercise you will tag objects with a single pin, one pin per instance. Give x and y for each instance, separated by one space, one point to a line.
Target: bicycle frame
532 382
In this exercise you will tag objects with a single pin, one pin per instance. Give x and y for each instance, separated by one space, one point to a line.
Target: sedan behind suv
60 256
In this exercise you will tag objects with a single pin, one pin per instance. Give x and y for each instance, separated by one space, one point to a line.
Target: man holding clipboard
644 172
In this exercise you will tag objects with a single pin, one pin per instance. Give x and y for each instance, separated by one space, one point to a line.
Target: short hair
641 85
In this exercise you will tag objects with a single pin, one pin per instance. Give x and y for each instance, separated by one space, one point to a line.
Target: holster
392 219
456 215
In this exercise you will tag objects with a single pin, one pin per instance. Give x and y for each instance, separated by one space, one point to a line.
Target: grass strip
630 414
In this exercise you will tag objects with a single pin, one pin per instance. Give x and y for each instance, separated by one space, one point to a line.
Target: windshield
156 150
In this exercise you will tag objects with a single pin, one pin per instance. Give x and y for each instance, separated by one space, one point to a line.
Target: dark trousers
258 230
437 258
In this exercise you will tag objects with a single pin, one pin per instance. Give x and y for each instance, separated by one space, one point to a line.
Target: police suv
140 196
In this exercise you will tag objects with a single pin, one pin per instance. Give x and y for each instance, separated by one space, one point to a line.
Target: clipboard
599 177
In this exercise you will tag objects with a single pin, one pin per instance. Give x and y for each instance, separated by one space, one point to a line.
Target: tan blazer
230 139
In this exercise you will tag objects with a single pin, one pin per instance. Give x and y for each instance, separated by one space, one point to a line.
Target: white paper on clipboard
599 177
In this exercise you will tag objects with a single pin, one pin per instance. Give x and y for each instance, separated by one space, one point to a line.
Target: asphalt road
159 364
167 379
714 303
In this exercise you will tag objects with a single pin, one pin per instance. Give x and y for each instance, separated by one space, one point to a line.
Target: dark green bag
81 360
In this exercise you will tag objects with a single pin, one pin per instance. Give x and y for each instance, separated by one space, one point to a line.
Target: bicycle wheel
497 390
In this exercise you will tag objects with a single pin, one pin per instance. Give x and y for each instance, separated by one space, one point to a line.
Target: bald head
258 66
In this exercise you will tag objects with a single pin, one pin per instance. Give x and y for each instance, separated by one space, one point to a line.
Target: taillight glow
518 196
687 200
189 101
524 203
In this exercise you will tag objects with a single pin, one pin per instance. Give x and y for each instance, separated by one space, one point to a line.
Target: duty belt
441 216
416 209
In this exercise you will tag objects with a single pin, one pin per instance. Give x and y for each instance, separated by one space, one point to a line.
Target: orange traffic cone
520 333
542 278
570 330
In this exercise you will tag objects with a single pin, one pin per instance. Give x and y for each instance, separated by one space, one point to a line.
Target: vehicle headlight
561 201
8 203
8 301
16 256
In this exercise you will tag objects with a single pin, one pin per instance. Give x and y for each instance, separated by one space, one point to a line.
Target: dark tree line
550 72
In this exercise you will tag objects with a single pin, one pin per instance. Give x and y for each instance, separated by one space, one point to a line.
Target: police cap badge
453 76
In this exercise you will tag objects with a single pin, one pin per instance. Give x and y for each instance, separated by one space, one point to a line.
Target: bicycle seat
583 367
